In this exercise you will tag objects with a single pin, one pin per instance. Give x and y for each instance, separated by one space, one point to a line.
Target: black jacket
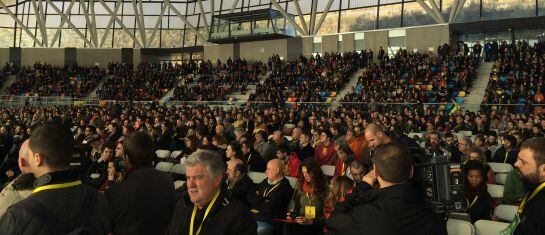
255 162
270 204
499 156
304 152
142 203
241 188
481 209
227 217
63 203
532 216
97 174
393 210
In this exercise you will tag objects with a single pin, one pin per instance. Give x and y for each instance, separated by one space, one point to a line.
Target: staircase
250 89
93 93
347 87
170 93
7 84
472 102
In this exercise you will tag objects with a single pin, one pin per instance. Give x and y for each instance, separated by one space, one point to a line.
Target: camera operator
394 208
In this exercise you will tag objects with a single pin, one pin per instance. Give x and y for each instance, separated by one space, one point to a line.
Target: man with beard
238 181
531 166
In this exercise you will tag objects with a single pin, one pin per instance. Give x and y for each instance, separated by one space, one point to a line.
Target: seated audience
238 181
478 200
309 197
270 199
206 207
292 164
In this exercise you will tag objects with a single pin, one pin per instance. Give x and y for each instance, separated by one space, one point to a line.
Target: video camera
441 184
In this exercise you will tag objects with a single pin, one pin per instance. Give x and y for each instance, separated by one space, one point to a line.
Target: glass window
330 24
389 16
122 40
6 37
359 19
317 44
541 7
69 38
171 38
502 9
414 14
470 11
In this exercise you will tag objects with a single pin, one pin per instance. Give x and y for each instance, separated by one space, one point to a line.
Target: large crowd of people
47 80
517 75
147 82
415 78
266 169
311 79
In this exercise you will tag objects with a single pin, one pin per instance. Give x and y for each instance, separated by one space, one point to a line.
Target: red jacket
325 154
341 168
293 167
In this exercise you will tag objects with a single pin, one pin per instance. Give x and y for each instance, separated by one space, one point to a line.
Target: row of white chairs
258 177
170 167
481 227
163 154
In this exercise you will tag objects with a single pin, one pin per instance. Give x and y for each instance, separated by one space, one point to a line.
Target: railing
18 101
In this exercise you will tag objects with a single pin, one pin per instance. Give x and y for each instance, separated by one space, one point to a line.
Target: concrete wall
4 56
54 56
348 42
137 56
329 43
90 56
376 39
261 50
295 48
423 38
308 46
222 52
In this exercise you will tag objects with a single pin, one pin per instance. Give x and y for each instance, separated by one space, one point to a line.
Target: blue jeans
264 228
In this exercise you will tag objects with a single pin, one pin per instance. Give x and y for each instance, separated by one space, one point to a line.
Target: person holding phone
308 213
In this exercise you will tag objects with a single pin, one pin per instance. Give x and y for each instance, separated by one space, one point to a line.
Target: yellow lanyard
249 157
205 214
506 155
342 170
526 199
265 193
309 199
56 186
472 203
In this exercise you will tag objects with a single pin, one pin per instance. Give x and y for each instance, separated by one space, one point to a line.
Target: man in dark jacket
531 167
144 201
97 174
394 208
238 181
271 198
252 158
507 153
206 208
59 203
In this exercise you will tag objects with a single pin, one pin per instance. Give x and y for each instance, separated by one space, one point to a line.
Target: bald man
271 198
21 187
375 136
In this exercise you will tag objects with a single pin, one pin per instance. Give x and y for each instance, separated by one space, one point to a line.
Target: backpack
53 224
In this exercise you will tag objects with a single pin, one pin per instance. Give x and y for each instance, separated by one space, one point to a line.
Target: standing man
46 210
144 201
394 208
531 167
206 208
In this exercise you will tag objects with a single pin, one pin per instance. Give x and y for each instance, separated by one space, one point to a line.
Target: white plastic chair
328 170
164 166
500 167
175 154
488 227
500 178
459 227
466 133
293 182
162 153
257 177
412 135
506 212
178 169
178 184
495 190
